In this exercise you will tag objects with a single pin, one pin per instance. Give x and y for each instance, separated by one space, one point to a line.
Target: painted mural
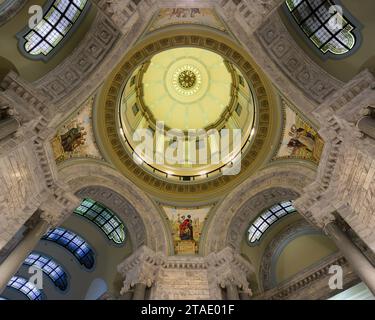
75 138
174 16
187 225
300 140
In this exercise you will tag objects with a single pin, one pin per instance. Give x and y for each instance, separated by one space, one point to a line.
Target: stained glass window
324 25
25 287
267 218
58 20
74 243
54 271
104 218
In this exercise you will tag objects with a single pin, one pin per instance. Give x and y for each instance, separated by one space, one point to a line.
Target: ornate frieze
346 173
185 277
312 80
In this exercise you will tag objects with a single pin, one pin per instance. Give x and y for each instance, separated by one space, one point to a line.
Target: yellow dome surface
187 88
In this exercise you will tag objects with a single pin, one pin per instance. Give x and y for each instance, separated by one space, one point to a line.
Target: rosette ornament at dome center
187 80
187 88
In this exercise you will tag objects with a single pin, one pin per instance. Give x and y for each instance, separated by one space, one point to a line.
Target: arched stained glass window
104 218
324 24
59 16
267 218
74 243
53 270
27 288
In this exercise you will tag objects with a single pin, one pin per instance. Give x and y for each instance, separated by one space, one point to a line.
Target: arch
271 185
73 243
50 267
275 247
104 184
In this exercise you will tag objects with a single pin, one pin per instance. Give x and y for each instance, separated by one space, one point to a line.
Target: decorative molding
9 9
157 271
311 79
271 185
140 267
345 179
251 209
96 173
27 103
75 70
250 14
274 248
143 54
124 13
312 283
121 207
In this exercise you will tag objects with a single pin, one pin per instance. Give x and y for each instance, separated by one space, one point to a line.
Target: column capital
140 267
230 268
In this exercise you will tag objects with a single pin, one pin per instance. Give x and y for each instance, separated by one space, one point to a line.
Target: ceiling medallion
187 80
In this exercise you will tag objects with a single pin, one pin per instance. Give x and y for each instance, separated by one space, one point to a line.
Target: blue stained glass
27 288
74 243
53 270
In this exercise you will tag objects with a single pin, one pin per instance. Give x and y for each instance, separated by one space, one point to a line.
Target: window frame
272 213
87 260
62 281
96 221
46 9
27 284
350 19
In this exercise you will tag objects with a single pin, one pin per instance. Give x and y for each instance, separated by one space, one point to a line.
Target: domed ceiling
180 84
188 91
199 84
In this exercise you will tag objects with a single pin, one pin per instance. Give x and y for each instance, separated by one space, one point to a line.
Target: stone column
139 291
353 255
232 292
13 262
8 126
367 126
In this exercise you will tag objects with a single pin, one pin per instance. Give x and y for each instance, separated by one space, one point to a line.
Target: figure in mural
72 139
300 138
186 227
